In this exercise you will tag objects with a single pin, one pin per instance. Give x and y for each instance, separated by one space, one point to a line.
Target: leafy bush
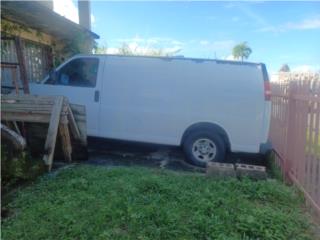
87 202
17 166
274 169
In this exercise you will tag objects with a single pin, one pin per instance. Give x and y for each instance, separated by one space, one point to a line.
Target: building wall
42 51
37 51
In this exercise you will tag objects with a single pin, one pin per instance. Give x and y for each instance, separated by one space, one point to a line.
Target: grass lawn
87 202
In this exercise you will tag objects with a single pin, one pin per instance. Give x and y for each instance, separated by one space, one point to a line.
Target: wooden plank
79 118
65 140
25 117
14 80
14 104
32 98
22 107
73 125
78 109
50 143
30 109
39 102
8 103
22 65
58 113
8 65
79 113
16 127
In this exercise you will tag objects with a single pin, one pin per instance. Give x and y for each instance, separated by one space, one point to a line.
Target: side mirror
53 76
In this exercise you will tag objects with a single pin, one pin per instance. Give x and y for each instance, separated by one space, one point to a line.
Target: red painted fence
295 132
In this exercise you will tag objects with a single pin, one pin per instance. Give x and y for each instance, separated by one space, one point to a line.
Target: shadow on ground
120 153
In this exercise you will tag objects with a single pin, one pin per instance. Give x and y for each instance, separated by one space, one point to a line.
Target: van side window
80 72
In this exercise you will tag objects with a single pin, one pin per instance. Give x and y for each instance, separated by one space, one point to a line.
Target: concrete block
220 170
251 171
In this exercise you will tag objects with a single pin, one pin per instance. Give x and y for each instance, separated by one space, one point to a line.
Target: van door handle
96 96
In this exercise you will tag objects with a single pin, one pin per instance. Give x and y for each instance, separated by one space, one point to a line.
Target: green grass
274 170
87 202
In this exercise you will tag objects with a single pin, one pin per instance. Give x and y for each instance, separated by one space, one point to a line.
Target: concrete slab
251 171
220 170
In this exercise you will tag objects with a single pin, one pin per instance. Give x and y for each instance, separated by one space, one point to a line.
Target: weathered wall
61 48
11 28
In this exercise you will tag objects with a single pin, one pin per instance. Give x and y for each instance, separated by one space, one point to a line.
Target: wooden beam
14 79
62 117
16 127
25 117
65 139
22 65
50 143
27 100
33 98
8 65
7 38
73 125
79 113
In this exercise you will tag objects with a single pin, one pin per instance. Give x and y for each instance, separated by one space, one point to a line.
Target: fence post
290 141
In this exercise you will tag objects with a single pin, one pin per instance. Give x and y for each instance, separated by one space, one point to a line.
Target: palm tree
241 51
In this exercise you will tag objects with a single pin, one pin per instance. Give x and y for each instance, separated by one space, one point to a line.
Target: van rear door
79 80
267 105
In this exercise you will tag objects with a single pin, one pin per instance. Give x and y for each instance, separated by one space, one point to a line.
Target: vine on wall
61 49
67 48
13 29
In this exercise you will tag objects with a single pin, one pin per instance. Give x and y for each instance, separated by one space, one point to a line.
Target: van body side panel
155 100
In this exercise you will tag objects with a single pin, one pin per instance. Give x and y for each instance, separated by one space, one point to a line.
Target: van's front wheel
203 147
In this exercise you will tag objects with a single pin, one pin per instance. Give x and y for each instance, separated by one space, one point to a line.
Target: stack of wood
67 120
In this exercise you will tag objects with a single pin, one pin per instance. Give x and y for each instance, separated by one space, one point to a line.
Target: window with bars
38 59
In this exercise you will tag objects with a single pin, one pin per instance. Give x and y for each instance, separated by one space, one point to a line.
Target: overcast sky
277 32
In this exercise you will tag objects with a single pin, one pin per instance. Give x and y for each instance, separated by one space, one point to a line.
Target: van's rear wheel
203 147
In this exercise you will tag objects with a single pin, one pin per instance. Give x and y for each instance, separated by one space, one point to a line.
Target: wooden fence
294 132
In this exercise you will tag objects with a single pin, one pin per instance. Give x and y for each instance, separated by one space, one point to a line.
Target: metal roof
35 15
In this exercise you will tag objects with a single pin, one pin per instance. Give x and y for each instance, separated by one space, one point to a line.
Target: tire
209 145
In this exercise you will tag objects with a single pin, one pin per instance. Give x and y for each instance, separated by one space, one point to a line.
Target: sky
277 32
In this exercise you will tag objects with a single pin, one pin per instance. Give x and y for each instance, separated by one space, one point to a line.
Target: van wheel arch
206 126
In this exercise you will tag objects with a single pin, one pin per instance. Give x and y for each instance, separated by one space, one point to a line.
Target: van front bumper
265 148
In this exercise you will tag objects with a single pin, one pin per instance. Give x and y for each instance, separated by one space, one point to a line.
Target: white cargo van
206 106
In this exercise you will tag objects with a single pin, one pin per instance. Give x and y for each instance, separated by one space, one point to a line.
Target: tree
103 49
284 68
126 50
136 50
241 51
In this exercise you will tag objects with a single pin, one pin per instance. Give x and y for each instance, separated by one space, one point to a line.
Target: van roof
199 60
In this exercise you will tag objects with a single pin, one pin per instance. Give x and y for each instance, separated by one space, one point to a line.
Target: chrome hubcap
204 150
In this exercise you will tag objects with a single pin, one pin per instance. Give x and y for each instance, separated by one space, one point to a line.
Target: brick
220 170
251 171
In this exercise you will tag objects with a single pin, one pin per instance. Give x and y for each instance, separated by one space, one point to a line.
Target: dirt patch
164 158
119 153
